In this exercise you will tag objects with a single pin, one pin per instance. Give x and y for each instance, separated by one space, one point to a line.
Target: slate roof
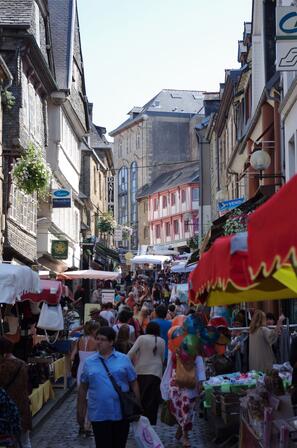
16 12
61 21
97 139
168 101
180 176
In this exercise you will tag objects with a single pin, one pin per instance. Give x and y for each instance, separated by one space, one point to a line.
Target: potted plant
31 174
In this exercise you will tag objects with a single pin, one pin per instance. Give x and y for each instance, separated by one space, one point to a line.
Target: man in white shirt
107 313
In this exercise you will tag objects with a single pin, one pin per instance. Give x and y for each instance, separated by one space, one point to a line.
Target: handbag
166 416
185 375
12 329
51 318
130 406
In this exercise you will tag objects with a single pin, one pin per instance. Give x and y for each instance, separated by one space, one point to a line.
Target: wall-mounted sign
286 38
60 249
225 206
61 198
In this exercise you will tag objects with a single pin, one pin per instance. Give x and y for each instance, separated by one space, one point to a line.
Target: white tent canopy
182 267
16 280
150 259
89 274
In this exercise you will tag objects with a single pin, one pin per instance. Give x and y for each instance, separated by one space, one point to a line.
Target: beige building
154 140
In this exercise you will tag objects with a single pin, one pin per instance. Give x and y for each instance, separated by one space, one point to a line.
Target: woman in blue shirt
104 409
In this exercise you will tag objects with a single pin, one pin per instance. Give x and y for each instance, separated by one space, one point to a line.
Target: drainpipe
201 179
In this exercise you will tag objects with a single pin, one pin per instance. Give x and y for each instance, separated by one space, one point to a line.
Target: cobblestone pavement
60 430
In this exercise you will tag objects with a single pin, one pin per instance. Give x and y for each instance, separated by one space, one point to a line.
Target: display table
40 396
60 371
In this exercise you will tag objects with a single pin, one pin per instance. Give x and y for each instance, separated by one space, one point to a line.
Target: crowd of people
132 340
124 345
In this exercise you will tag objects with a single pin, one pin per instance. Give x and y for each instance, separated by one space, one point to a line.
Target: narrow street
60 431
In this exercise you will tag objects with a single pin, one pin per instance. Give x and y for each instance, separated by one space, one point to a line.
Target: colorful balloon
178 320
191 345
176 336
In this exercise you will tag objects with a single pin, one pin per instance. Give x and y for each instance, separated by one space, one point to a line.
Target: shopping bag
51 318
144 434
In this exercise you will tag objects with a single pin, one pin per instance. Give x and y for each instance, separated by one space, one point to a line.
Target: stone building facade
155 139
68 121
26 47
5 83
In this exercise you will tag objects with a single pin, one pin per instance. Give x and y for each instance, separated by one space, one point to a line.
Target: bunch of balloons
191 336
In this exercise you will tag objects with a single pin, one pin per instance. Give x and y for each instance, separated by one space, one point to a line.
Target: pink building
173 200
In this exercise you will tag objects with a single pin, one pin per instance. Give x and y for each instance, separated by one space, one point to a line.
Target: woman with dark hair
123 343
147 355
14 379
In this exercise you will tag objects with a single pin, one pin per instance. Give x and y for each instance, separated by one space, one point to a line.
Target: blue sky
132 49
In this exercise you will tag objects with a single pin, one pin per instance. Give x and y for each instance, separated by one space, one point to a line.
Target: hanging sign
61 198
225 206
60 249
286 38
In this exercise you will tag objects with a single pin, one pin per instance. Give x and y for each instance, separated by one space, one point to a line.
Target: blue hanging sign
225 206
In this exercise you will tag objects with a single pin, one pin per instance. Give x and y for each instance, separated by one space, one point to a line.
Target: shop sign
107 295
286 38
61 198
225 206
60 249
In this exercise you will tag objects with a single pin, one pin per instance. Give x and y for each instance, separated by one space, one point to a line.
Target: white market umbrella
150 259
182 267
89 274
16 280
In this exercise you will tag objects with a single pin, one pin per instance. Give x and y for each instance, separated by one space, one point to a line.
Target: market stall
150 259
91 274
257 266
48 363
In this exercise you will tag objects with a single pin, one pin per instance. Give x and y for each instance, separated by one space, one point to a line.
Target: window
172 199
70 142
186 226
183 196
138 139
164 201
175 227
123 195
158 231
95 180
195 194
120 147
155 204
133 190
23 209
145 232
167 228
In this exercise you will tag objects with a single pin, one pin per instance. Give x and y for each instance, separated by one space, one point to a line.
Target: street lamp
260 160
